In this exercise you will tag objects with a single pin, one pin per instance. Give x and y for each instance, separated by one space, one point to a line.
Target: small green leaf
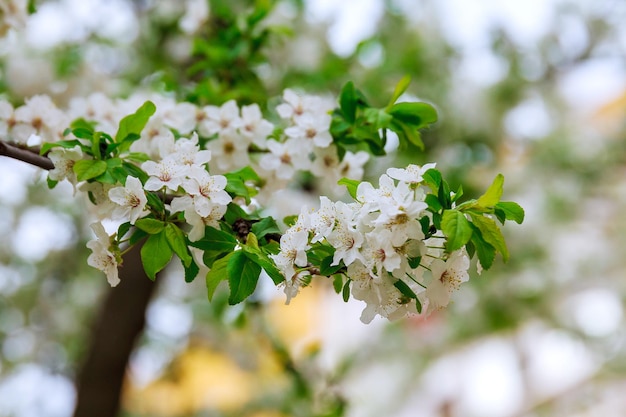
485 252
407 133
338 282
67 144
265 226
123 229
150 226
256 255
217 274
176 240
377 117
511 211
216 240
491 233
155 254
290 220
433 179
416 115
456 228
154 201
348 101
134 123
87 169
351 185
326 269
243 275
346 291
191 271
401 87
493 193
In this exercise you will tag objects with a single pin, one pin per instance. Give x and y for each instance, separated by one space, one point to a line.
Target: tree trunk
116 328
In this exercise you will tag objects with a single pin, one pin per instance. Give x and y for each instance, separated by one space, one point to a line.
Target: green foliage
156 253
243 275
358 126
134 123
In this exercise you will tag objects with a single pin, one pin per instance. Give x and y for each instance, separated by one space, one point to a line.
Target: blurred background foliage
539 96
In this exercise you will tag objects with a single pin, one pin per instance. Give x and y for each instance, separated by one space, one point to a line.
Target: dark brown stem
28 155
115 331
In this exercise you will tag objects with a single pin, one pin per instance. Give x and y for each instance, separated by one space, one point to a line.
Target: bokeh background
535 90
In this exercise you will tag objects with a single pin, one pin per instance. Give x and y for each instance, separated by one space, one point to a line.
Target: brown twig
27 155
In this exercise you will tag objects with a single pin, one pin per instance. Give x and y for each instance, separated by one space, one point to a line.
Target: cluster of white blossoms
185 142
379 240
13 15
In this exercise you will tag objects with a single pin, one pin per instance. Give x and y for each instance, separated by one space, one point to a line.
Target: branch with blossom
195 181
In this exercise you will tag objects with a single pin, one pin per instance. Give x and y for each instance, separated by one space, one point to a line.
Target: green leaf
191 271
416 115
155 254
217 274
511 211
407 133
351 185
338 282
134 123
456 228
326 269
256 255
87 169
265 226
433 203
433 179
408 292
136 236
234 212
348 101
215 240
491 233
150 226
123 229
243 275
67 144
290 220
377 117
485 252
493 193
178 243
346 291
81 123
154 201
401 87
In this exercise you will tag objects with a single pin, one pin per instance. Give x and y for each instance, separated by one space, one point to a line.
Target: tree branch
27 155
115 331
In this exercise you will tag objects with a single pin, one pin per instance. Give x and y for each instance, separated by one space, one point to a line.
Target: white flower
380 294
39 116
230 151
101 257
347 242
196 14
131 200
447 276
224 119
380 255
352 165
204 192
412 174
313 129
322 221
166 173
187 152
253 127
199 224
293 246
64 160
285 158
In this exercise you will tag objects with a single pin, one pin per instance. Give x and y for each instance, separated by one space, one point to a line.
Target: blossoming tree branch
194 183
